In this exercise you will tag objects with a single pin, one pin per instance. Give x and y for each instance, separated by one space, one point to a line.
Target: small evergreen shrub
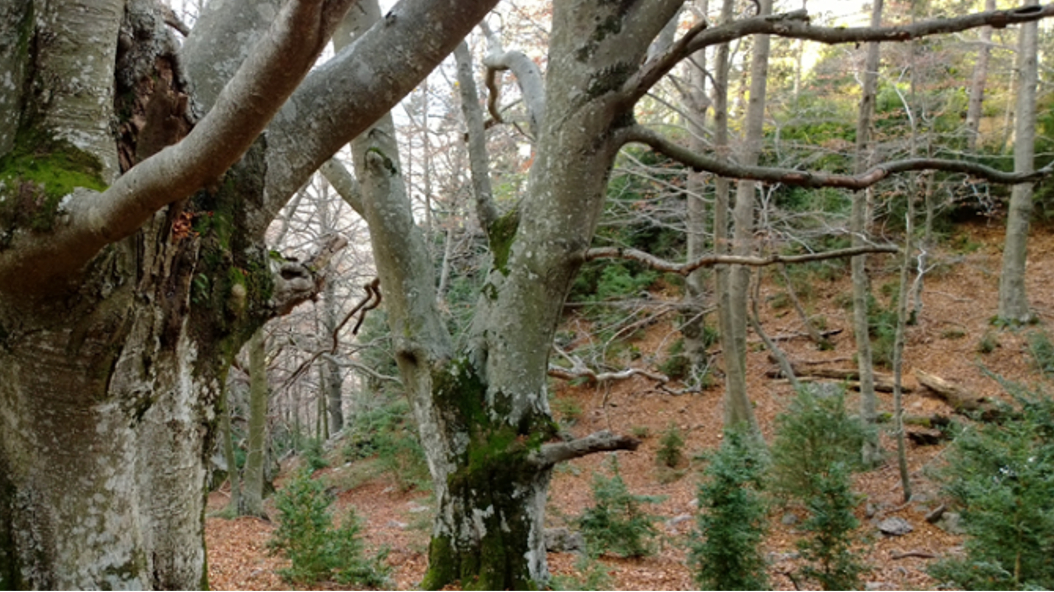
814 434
388 434
1042 351
831 526
313 454
1002 476
725 551
671 448
590 574
617 522
318 551
816 449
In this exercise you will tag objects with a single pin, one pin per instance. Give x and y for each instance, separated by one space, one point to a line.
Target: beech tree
139 180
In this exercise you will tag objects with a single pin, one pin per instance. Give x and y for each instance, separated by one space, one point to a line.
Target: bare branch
814 179
603 441
601 377
92 220
528 77
711 260
298 282
344 183
486 211
796 25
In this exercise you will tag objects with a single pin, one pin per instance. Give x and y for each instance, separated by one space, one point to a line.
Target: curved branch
528 77
345 184
603 441
814 179
796 25
93 220
710 260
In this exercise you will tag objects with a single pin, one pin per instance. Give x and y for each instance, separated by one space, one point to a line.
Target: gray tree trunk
693 329
977 83
738 407
859 227
253 482
722 283
1013 302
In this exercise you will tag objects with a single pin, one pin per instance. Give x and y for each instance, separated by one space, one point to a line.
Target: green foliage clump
589 574
1042 351
816 449
1002 476
318 551
882 327
617 523
725 552
313 454
671 448
831 526
388 435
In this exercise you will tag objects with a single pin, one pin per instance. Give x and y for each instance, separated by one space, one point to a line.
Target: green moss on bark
34 178
502 234
490 488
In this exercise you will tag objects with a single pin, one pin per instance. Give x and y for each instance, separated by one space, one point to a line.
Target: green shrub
725 551
590 574
814 434
1002 476
1042 351
831 528
318 551
617 523
313 454
817 447
388 434
671 448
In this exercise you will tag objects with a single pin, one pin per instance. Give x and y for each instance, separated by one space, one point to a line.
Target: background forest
646 294
639 349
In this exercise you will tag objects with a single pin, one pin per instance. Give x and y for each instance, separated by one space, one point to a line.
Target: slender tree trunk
235 502
1013 302
977 84
721 211
253 491
738 407
859 227
694 328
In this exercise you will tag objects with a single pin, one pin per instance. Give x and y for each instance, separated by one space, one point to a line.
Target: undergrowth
617 523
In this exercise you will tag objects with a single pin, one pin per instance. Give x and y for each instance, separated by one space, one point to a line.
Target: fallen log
962 400
883 382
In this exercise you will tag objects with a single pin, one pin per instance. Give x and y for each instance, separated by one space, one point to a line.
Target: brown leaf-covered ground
959 300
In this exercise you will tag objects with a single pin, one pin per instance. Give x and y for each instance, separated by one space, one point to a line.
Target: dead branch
883 382
814 179
963 401
796 25
906 554
712 260
603 441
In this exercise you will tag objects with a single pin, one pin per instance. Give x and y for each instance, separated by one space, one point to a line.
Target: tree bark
1013 301
253 483
977 83
738 408
859 225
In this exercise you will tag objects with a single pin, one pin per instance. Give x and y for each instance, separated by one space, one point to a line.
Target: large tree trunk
1013 302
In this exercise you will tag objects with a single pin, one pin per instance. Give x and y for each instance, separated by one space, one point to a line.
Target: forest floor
959 299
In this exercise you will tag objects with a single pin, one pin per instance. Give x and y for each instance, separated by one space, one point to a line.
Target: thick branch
604 441
796 25
347 94
815 179
93 220
710 260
